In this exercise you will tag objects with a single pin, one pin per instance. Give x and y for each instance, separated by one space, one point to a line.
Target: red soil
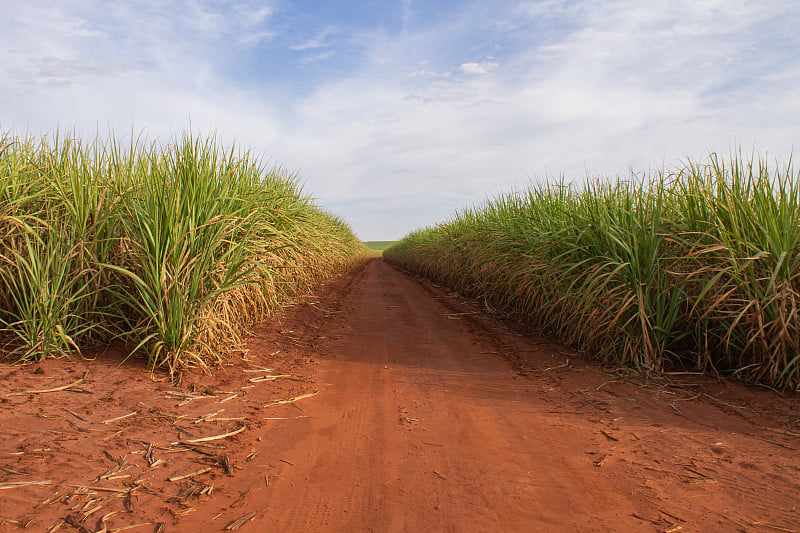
430 416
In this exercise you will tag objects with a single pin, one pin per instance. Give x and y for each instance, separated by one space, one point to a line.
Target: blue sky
395 114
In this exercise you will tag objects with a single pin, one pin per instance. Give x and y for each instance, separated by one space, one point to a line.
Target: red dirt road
430 416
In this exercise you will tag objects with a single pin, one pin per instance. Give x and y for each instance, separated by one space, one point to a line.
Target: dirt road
430 415
422 424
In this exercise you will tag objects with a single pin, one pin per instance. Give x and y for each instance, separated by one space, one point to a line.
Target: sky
395 114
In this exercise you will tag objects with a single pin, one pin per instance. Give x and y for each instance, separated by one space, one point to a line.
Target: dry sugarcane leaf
187 492
208 416
239 522
44 391
608 436
15 484
119 418
225 462
128 501
292 400
125 528
191 474
76 415
212 438
56 526
74 522
148 455
259 379
101 489
10 471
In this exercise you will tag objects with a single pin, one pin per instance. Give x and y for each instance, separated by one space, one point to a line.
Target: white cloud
254 18
628 88
418 127
425 73
484 67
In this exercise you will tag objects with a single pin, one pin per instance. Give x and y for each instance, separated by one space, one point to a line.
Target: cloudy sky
397 113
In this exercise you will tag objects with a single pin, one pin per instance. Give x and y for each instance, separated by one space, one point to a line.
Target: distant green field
378 246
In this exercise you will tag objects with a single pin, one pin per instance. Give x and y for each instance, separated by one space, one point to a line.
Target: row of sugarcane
691 267
172 249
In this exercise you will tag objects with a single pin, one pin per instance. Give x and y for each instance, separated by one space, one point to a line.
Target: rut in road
420 425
